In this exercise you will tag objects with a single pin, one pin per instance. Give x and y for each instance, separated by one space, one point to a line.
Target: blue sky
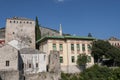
79 17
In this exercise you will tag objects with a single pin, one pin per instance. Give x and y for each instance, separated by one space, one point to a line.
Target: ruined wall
43 76
54 63
9 75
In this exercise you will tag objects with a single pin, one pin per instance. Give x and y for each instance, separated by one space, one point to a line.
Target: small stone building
8 58
33 61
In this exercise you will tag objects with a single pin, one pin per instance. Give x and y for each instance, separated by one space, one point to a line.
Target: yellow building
69 48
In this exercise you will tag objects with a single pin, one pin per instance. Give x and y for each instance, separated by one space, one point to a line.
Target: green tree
102 48
89 35
82 60
114 54
96 73
99 49
37 32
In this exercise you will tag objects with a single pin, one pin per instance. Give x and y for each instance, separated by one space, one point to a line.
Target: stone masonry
20 29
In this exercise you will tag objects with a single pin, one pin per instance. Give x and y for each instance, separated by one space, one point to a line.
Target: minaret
60 31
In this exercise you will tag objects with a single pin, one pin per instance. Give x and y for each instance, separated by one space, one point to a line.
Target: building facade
69 48
33 61
114 42
20 29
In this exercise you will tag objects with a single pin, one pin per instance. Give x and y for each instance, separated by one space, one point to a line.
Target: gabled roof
65 37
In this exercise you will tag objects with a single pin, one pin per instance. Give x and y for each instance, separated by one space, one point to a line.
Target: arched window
20 22
10 21
30 22
14 21
27 22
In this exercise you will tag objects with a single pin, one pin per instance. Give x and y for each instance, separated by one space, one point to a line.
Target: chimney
60 31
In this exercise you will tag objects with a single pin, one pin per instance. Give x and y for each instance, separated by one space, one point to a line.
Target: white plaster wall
33 59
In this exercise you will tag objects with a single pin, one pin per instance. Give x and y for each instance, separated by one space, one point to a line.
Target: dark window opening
22 65
29 65
72 47
36 65
13 32
7 63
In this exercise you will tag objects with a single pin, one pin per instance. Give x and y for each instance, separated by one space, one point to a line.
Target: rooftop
20 18
30 51
65 37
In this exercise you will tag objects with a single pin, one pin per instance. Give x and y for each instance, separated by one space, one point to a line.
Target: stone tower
22 30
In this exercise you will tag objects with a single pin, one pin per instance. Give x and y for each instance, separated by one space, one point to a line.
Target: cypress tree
37 32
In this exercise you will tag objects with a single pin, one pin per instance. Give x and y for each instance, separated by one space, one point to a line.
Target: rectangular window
78 47
29 65
73 59
88 59
72 47
36 65
61 59
54 46
83 47
61 47
89 47
7 63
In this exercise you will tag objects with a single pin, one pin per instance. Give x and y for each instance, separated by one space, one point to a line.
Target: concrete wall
8 53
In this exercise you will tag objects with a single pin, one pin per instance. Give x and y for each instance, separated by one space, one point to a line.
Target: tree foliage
100 73
104 48
94 73
82 60
89 35
37 32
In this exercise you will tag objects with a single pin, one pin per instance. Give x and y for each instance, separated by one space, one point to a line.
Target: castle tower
20 29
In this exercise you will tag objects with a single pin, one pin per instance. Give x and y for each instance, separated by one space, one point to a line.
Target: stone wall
71 69
8 58
10 75
47 31
43 76
22 30
54 63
